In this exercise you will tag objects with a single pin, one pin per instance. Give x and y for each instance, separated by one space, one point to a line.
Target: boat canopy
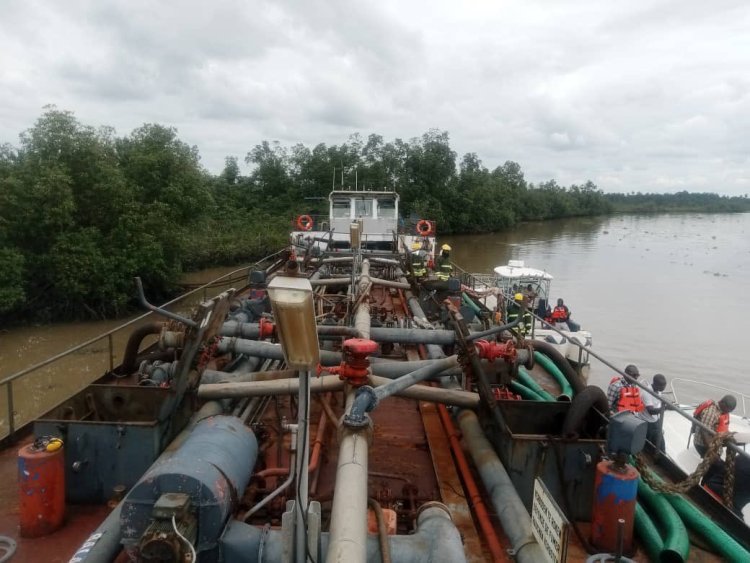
515 270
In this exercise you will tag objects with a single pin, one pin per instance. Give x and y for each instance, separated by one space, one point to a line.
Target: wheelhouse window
363 208
341 208
387 208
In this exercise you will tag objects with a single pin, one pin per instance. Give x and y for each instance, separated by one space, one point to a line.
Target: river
665 292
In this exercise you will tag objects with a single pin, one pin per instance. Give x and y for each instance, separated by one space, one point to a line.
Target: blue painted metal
213 466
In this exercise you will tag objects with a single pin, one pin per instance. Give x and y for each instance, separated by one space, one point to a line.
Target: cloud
644 95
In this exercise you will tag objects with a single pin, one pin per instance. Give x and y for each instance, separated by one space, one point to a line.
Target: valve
266 328
490 351
355 365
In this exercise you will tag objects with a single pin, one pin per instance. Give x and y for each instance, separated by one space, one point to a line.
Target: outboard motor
183 502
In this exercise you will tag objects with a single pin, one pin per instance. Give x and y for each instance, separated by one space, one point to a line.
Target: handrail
10 379
704 384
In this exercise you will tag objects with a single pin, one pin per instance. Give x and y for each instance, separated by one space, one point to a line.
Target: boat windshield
363 207
341 208
387 208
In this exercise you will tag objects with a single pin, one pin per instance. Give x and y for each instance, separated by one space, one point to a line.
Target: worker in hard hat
519 307
443 266
418 260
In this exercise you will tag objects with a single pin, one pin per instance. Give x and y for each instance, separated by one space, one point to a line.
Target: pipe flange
605 557
434 504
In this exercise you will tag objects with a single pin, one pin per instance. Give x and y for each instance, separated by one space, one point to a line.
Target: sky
644 95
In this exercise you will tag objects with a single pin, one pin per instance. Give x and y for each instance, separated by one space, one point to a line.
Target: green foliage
680 201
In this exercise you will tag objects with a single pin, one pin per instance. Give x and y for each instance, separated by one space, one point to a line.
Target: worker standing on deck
652 412
444 268
623 395
715 416
518 307
418 260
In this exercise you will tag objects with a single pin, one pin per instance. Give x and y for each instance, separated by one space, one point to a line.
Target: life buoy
424 227
304 222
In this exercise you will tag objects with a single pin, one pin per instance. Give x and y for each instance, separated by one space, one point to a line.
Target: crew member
418 260
561 315
653 409
715 416
444 268
624 395
518 307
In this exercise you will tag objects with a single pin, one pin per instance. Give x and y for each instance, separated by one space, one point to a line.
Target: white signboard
549 524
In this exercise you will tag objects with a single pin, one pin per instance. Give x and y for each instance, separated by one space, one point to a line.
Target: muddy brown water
665 292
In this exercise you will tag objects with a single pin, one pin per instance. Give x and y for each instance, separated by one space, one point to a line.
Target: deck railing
676 382
40 384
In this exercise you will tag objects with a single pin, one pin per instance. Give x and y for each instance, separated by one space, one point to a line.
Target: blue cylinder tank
213 466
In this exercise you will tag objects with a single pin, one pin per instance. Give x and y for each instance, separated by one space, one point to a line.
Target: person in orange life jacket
623 395
653 408
560 315
715 416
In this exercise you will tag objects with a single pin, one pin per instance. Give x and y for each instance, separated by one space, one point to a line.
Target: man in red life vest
715 416
623 395
560 315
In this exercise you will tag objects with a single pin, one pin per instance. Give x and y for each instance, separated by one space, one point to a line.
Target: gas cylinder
41 483
615 491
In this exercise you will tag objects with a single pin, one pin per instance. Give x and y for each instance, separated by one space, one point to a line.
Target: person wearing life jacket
560 315
518 307
418 259
715 416
444 268
624 395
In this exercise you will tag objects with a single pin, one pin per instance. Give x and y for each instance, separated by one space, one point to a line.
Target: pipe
159 311
575 380
477 502
453 397
554 371
646 530
385 547
261 388
268 350
525 378
513 516
676 546
494 330
268 498
129 359
696 520
466 300
368 398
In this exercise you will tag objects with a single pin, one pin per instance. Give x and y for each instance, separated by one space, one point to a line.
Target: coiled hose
676 546
554 371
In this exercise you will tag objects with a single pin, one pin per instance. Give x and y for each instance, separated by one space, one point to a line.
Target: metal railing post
11 421
111 353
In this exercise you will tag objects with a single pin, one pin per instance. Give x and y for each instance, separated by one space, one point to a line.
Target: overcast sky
644 95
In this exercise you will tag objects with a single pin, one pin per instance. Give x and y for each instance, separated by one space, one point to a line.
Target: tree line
82 210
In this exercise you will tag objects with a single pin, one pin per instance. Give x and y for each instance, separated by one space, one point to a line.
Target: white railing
741 397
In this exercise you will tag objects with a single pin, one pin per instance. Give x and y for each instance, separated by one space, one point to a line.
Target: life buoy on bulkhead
424 227
304 223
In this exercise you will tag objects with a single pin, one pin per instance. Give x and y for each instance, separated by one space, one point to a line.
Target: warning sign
549 524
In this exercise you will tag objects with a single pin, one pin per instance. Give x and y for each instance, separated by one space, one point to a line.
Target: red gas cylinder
615 491
41 482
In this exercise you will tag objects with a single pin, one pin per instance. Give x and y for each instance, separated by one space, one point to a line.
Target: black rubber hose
130 359
575 380
580 407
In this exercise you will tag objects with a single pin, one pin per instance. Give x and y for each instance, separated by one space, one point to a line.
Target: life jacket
560 314
629 398
723 425
445 271
418 265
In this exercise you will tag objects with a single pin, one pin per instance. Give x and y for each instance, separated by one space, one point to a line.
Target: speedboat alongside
345 405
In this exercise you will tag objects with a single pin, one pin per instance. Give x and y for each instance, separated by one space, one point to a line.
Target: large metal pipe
129 359
436 539
268 350
510 510
434 351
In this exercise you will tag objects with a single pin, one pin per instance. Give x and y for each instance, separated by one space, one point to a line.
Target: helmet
446 247
518 297
416 245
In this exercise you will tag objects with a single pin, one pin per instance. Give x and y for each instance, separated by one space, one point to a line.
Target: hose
8 546
526 379
575 380
724 544
648 533
385 546
582 404
676 542
466 300
554 371
525 392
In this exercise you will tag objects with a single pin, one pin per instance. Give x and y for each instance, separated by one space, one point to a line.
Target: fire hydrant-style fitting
490 351
355 367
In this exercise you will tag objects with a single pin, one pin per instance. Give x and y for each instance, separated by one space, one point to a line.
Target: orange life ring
424 227
304 223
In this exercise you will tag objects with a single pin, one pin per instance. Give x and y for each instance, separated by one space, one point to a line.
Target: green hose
528 381
555 372
525 392
676 542
724 544
470 303
648 533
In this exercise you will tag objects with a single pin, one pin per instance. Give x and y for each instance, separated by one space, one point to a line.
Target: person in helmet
418 260
444 267
519 307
